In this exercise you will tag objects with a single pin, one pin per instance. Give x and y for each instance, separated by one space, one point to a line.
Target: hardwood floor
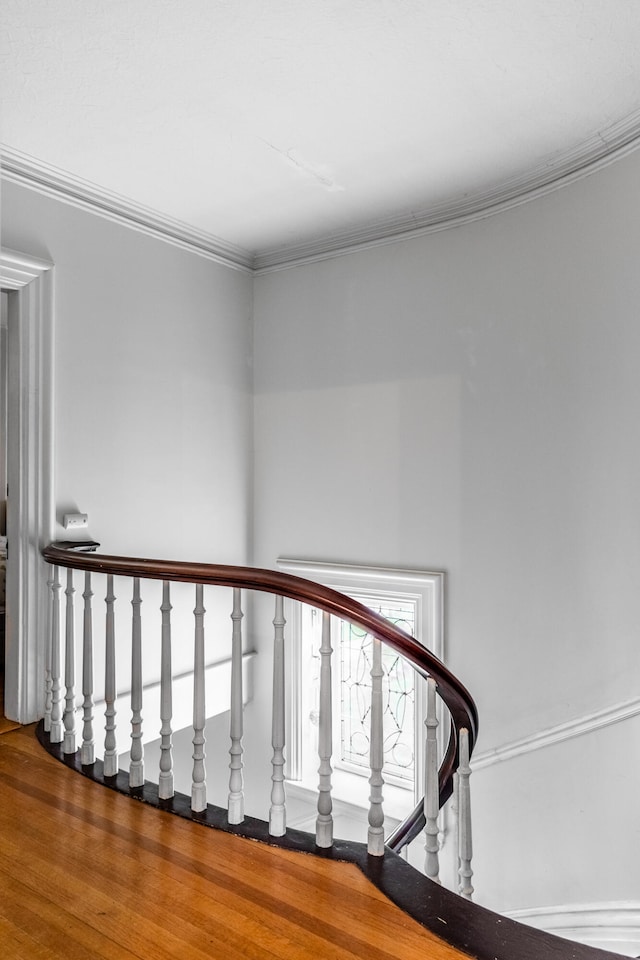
86 873
5 725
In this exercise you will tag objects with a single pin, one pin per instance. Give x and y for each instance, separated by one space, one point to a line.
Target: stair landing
85 872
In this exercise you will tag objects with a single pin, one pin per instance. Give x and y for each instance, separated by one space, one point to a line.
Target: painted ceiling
300 125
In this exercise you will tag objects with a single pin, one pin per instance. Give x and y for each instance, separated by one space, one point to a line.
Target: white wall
153 382
573 842
468 401
153 418
465 401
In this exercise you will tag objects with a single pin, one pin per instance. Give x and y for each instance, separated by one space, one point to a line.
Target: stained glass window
411 599
354 652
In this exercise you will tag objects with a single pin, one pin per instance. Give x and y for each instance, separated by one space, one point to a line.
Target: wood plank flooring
5 725
86 873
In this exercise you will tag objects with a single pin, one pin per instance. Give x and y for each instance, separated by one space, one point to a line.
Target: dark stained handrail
467 927
458 700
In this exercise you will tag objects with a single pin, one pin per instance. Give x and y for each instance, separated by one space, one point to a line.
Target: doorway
4 306
27 302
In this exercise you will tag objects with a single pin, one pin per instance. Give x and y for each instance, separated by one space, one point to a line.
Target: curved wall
465 401
468 401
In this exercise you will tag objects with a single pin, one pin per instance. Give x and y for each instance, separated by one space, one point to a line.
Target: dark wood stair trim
478 932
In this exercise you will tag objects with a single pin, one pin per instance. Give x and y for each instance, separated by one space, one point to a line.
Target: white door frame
30 471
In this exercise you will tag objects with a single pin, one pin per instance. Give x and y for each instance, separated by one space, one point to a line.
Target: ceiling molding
607 146
600 150
17 167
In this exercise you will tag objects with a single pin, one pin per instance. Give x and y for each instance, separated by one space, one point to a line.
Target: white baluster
432 791
199 785
48 694
324 820
464 771
69 716
165 777
136 764
110 744
87 752
56 690
235 812
277 811
454 807
375 836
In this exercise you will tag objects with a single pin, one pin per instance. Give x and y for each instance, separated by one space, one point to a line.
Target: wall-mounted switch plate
75 521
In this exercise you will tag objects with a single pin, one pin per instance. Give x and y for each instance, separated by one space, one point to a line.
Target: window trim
359 580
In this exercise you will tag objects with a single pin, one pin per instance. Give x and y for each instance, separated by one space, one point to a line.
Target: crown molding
17 167
594 154
590 156
624 710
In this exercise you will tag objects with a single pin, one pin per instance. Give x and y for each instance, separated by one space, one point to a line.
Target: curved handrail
458 700
481 933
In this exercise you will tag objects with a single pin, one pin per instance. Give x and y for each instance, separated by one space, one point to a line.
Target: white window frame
424 586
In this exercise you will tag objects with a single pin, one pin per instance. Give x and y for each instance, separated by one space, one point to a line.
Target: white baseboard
563 731
217 699
610 926
340 808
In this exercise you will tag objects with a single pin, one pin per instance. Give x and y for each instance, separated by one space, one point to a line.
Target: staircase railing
469 928
60 706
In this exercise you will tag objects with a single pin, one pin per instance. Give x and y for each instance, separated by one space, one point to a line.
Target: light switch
75 521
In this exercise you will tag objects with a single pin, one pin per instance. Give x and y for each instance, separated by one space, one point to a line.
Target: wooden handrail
456 697
471 929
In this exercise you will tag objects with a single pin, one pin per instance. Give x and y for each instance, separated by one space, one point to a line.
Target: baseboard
609 926
217 697
340 808
624 710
